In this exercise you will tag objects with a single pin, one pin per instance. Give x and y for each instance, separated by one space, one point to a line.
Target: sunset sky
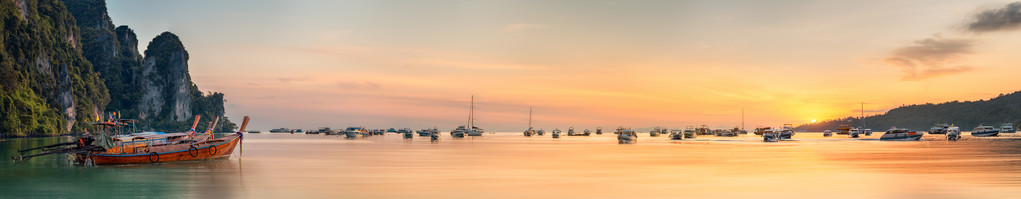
381 64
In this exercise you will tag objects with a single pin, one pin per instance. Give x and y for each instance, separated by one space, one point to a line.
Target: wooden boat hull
211 149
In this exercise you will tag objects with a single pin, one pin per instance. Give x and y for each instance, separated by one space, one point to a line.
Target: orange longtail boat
156 148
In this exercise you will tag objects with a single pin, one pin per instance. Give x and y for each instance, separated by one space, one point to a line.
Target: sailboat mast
529 117
862 118
471 113
742 118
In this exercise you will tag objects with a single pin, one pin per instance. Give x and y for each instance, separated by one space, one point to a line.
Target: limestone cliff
156 88
47 84
166 81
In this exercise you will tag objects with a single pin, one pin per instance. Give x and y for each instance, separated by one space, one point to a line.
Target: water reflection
508 165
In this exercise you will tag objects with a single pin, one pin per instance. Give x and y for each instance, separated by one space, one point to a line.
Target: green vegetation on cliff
47 85
59 58
967 115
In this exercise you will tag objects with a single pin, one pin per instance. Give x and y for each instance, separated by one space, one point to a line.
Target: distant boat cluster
627 135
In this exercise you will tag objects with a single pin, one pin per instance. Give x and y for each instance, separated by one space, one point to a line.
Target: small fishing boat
281 130
354 132
540 132
689 132
728 133
427 132
770 135
626 135
458 132
704 130
953 133
760 131
827 133
599 130
1007 128
571 132
901 134
939 129
556 133
985 131
407 133
391 130
434 135
254 131
676 134
529 132
323 130
655 132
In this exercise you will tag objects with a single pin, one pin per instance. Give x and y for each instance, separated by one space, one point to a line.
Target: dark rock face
128 43
166 81
156 88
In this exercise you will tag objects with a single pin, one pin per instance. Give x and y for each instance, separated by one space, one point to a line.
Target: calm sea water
509 165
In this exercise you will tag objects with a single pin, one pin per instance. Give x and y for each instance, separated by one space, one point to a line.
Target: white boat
901 134
571 132
787 132
728 133
1007 128
827 133
689 132
427 132
353 132
556 133
474 131
656 132
626 135
953 133
984 131
939 129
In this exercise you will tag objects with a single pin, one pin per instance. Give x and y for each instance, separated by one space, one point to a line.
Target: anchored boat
474 131
953 133
626 135
901 134
676 134
1007 128
939 129
107 147
984 131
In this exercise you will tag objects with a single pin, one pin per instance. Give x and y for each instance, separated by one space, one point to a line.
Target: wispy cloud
931 57
1005 18
292 79
522 26
358 85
